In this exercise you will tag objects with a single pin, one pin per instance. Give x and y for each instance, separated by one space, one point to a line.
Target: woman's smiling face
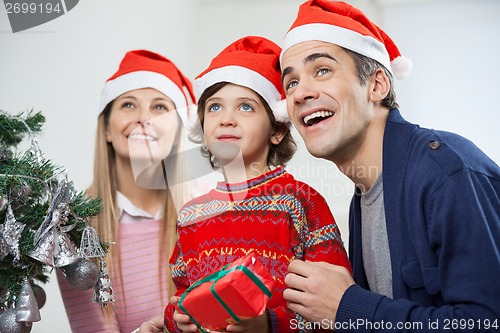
142 125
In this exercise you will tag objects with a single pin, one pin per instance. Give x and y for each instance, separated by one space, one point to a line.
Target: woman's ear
108 135
380 85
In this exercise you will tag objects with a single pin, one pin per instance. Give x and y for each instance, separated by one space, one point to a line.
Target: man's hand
316 288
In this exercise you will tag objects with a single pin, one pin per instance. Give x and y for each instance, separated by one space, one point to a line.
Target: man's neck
364 166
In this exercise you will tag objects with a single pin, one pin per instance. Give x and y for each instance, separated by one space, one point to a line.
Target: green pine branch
27 182
14 128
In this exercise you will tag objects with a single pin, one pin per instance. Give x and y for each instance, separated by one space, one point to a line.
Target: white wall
454 45
60 67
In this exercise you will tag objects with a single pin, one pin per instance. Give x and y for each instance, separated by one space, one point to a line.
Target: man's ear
380 85
277 136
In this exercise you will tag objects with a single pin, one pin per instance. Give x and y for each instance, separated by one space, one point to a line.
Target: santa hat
252 62
145 69
341 24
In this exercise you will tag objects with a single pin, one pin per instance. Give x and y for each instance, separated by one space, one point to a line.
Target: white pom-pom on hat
280 111
401 67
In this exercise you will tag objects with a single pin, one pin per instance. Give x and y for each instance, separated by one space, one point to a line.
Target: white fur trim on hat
349 39
143 79
241 76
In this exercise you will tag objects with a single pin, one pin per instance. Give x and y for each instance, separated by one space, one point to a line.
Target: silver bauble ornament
82 274
40 295
8 323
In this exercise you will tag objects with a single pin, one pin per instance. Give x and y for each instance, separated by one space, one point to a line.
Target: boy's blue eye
246 107
214 107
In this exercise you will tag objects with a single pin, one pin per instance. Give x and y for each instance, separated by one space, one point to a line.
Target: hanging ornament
65 254
55 215
65 251
4 248
103 292
52 245
5 154
55 249
20 196
8 323
35 148
44 250
40 295
3 203
90 245
11 232
82 274
26 305
63 212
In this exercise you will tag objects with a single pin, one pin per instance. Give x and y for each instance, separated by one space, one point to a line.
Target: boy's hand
254 325
183 321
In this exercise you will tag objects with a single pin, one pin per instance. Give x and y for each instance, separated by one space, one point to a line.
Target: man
424 227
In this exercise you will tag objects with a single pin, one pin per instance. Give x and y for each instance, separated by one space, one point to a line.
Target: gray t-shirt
375 243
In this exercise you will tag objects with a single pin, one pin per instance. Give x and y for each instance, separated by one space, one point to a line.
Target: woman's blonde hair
107 224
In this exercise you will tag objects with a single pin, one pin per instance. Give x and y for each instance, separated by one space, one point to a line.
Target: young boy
259 207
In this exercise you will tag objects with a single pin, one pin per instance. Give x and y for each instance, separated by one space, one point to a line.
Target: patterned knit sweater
273 215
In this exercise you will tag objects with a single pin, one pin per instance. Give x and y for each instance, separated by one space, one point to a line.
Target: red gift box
239 291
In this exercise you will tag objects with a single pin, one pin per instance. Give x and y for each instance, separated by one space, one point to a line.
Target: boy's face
237 121
325 100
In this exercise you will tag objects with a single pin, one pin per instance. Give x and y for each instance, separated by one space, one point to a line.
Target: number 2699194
32 8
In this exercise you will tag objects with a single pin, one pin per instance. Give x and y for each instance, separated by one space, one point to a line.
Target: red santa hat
252 62
145 69
341 24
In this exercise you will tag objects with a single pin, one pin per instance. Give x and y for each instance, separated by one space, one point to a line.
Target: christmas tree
45 225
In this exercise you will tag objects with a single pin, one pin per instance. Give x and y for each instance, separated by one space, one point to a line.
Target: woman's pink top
139 298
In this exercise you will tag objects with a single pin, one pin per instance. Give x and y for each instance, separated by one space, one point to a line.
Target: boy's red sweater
275 216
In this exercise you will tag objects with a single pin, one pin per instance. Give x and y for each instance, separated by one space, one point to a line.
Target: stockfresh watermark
26 14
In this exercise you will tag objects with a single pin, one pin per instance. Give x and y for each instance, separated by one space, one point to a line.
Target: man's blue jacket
442 207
